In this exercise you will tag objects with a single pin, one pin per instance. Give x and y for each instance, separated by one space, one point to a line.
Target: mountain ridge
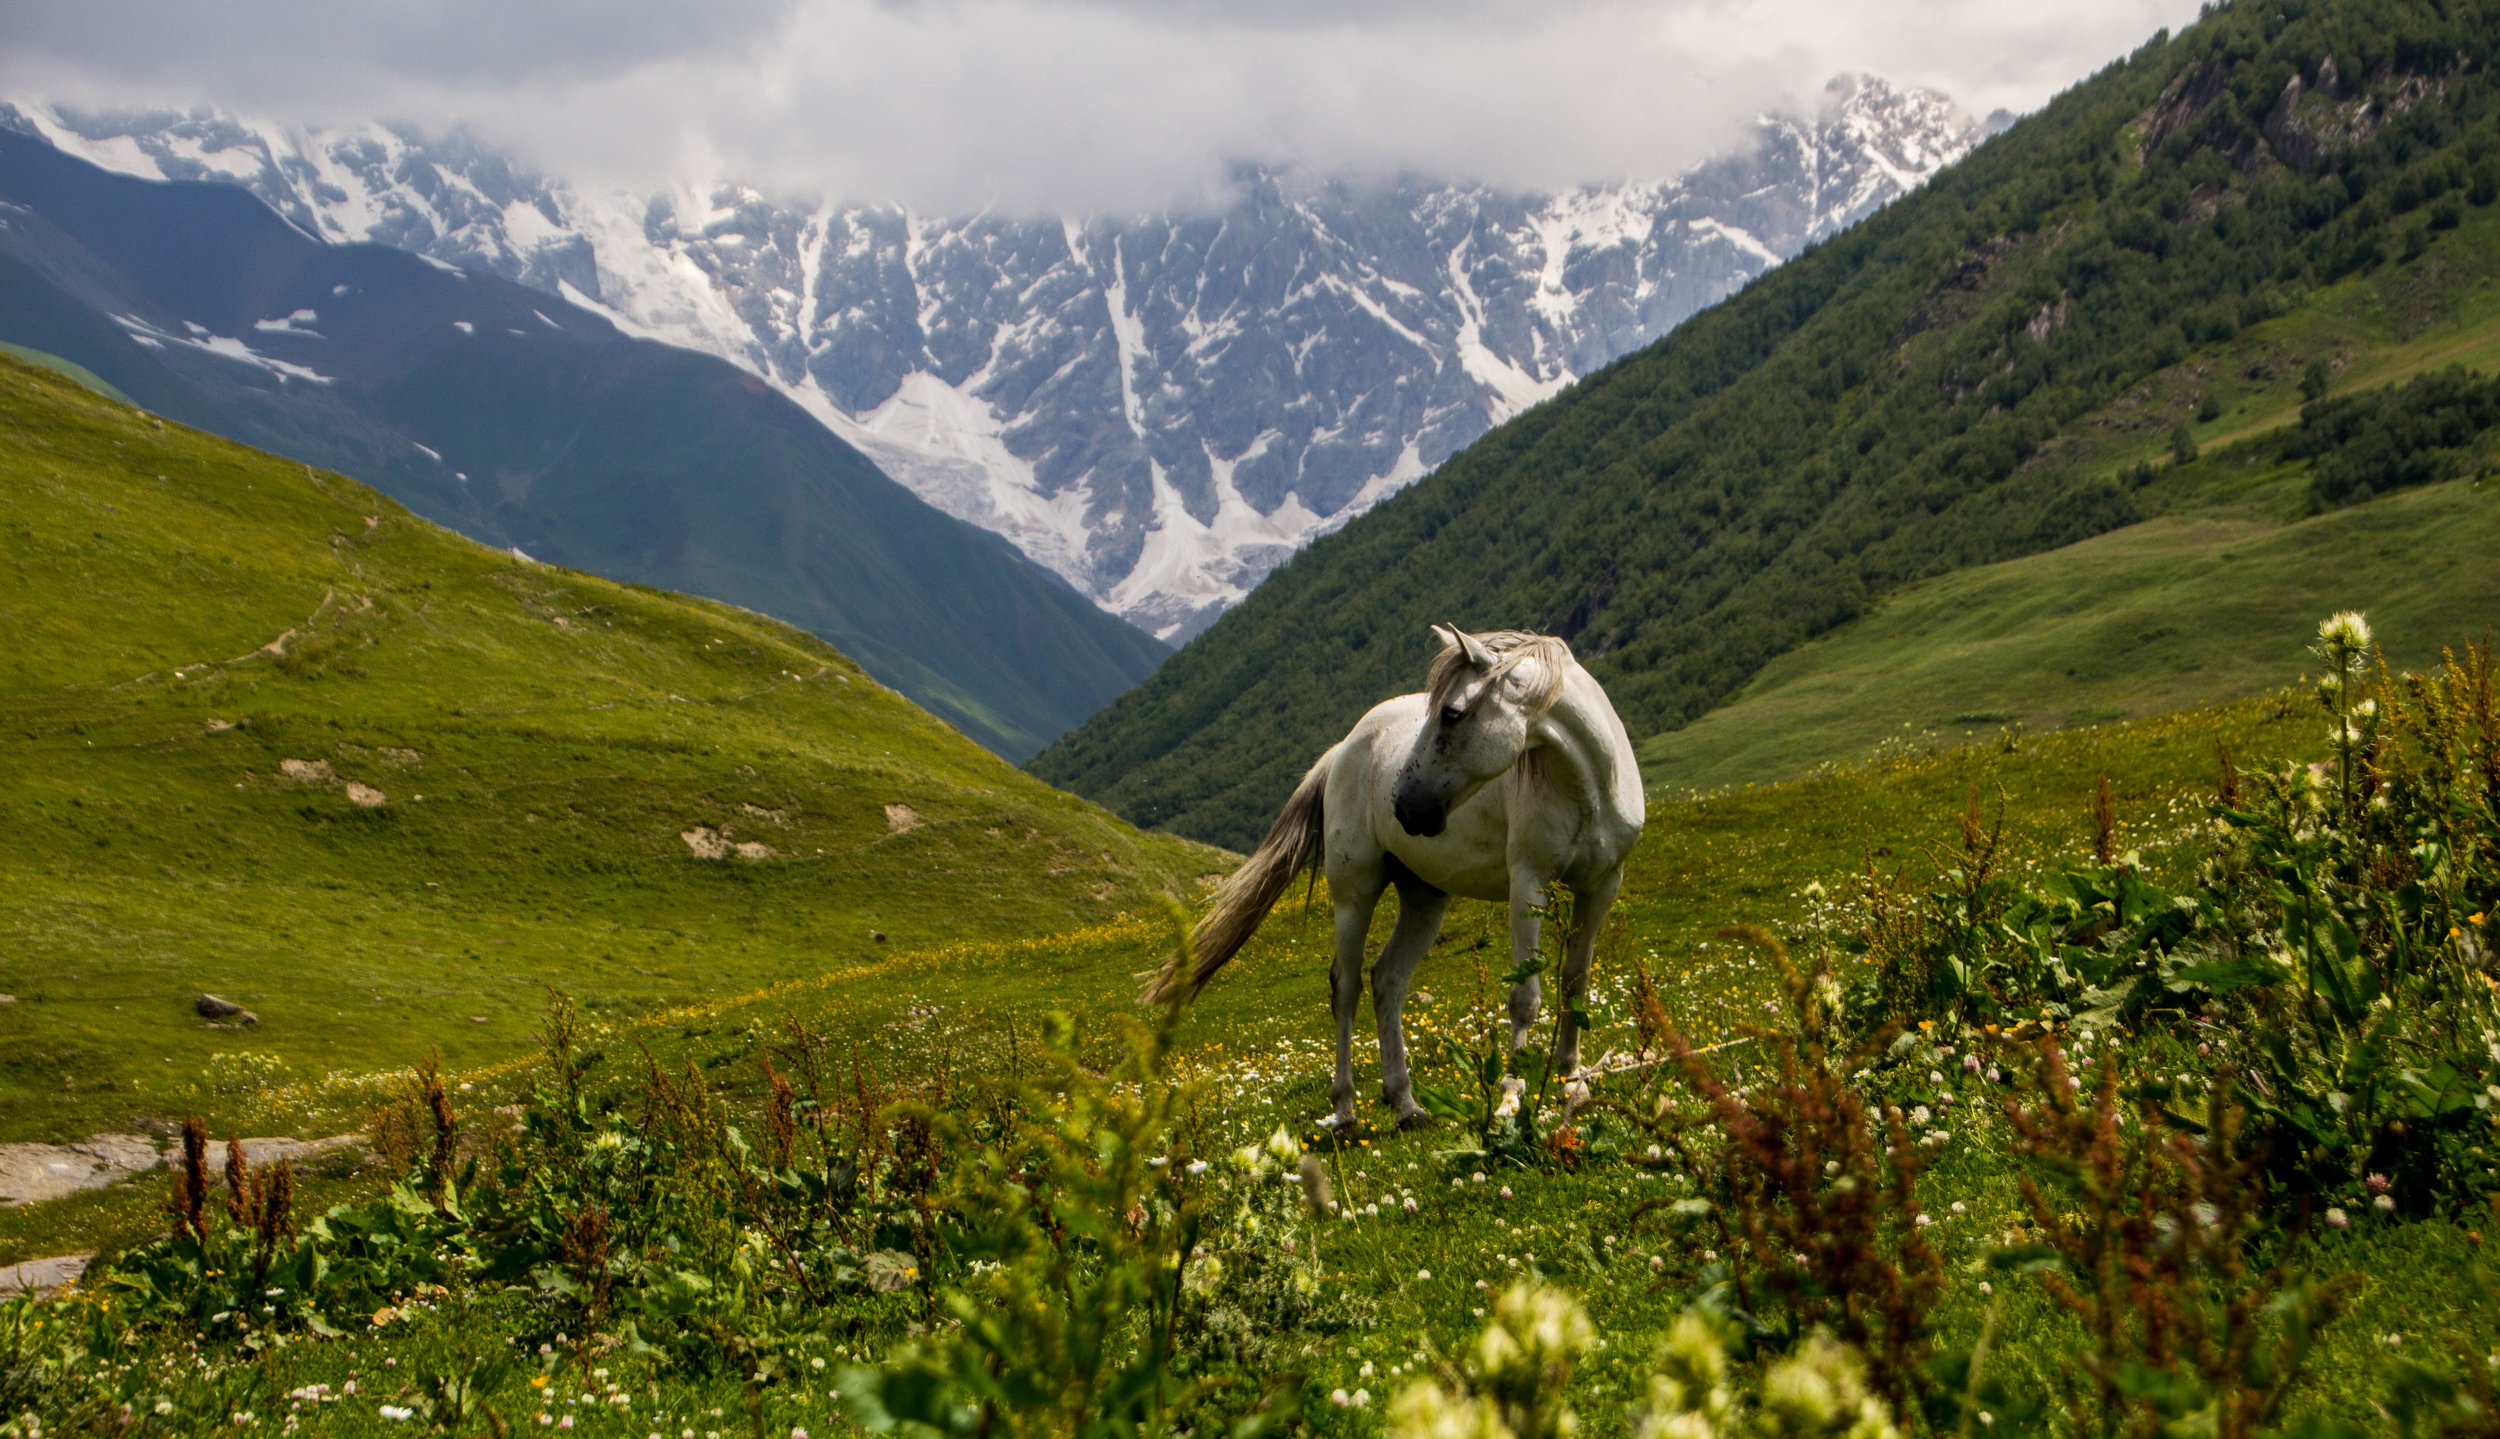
1162 407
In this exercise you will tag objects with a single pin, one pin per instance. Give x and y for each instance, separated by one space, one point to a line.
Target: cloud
1058 104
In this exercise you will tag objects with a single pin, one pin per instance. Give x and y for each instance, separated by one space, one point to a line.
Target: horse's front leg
1589 903
1356 895
1420 911
1527 892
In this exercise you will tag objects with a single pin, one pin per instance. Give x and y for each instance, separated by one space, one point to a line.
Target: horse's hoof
1413 1120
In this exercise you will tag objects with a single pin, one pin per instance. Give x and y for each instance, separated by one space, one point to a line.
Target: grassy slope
1259 1038
2184 608
41 360
543 739
2176 611
963 976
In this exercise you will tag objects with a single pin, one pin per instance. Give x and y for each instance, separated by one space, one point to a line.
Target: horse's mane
1511 648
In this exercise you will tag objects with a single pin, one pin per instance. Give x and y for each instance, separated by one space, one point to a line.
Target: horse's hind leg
1356 893
1420 911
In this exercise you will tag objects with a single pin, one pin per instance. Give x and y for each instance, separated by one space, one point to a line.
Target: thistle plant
1513 1382
2344 646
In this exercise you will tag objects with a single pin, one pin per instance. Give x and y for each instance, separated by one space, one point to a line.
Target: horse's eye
1451 715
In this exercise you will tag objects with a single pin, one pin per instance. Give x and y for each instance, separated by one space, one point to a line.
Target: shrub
2146 1233
1078 1213
1814 1191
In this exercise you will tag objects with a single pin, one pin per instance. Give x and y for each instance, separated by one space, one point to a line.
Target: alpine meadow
2052 991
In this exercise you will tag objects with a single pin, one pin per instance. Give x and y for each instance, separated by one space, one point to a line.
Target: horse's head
1485 695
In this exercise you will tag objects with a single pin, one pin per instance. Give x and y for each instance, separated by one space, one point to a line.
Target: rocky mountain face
1160 408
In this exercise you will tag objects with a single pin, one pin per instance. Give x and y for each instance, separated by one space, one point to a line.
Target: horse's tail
1296 842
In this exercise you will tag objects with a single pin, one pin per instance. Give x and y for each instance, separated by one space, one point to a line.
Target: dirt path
33 1173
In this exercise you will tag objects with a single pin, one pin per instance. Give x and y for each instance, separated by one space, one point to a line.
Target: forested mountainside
527 421
1158 406
1988 368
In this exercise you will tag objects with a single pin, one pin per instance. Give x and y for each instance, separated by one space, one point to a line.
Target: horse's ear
1446 635
1477 654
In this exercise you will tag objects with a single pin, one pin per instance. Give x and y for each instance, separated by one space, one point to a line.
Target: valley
2053 992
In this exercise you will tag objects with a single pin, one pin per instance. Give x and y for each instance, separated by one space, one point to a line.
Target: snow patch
225 347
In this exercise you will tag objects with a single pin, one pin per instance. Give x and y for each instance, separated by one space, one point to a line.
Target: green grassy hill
529 749
2177 611
2182 248
268 735
2186 607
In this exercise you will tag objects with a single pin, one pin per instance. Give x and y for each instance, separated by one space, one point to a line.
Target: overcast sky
1058 104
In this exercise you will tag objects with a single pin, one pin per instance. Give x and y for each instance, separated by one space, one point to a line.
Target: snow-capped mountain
1161 408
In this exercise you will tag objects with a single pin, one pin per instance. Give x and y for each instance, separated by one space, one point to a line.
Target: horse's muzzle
1422 818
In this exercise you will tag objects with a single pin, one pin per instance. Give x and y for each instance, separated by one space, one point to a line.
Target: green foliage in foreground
1811 1232
265 734
2150 264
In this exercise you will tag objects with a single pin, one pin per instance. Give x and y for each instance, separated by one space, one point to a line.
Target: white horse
1511 772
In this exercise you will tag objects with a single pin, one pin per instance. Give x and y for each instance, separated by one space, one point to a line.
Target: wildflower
1656 1263
1970 1062
2345 630
1995 1076
1512 1089
2337 1218
1506 1191
395 1413
1283 1147
1986 1289
2384 1204
1822 1389
1934 1077
1422 1274
1197 1166
1340 1398
2377 1182
1920 1115
1477 1177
